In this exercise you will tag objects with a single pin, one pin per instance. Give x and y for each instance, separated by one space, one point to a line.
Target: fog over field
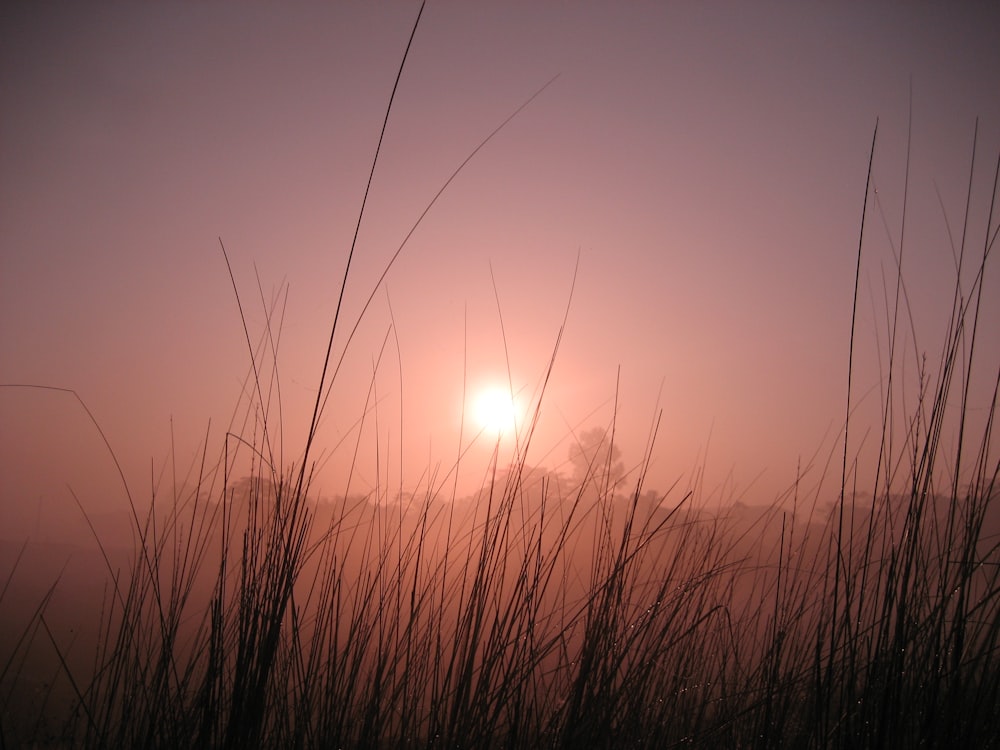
644 304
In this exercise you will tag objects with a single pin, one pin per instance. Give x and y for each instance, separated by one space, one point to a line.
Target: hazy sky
706 161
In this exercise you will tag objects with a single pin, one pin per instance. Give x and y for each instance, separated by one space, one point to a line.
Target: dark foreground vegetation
552 613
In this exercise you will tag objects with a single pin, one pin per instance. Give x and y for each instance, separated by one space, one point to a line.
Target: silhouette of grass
547 613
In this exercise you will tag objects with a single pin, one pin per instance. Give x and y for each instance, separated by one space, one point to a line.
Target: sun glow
494 410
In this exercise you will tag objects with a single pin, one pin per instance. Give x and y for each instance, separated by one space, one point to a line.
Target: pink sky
706 161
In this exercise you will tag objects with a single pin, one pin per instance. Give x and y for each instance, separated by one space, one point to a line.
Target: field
547 609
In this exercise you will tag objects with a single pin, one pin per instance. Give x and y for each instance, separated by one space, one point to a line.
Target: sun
493 409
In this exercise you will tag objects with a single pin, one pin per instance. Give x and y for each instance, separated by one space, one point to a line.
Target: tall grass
553 613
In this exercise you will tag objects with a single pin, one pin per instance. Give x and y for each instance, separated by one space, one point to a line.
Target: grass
548 613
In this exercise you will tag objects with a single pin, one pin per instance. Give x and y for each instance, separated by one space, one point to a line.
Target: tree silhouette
593 455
